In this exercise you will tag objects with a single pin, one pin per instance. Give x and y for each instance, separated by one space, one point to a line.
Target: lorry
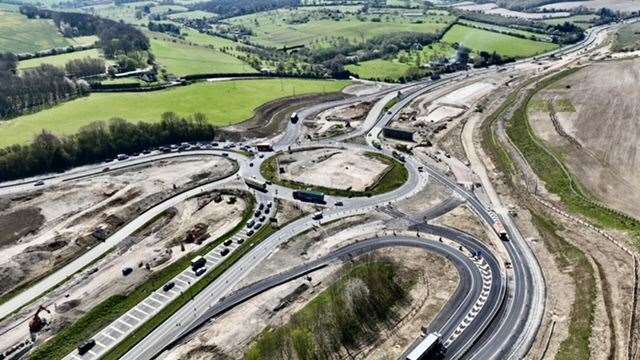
264 147
429 348
309 196
84 347
255 184
198 262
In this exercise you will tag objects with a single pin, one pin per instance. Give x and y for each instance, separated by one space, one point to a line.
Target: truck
498 227
294 117
256 184
264 147
429 348
309 196
84 347
198 262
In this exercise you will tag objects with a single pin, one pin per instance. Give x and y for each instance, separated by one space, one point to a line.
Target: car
39 183
214 144
250 164
256 226
250 232
339 203
228 242
126 271
266 211
262 218
106 169
258 213
269 204
200 271
225 154
240 241
251 223
224 252
261 206
261 156
168 286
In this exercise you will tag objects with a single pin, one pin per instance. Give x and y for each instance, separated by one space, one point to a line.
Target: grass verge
112 308
574 263
395 176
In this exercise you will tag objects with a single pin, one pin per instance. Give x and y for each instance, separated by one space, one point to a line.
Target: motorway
494 321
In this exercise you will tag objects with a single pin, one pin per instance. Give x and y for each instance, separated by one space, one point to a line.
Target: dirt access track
60 223
332 168
272 118
597 129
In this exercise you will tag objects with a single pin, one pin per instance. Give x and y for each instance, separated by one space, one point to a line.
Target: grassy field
224 103
338 317
583 21
379 69
272 28
196 14
627 38
182 59
484 40
18 34
109 310
505 29
59 60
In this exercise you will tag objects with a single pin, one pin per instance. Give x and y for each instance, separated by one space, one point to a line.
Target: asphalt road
509 322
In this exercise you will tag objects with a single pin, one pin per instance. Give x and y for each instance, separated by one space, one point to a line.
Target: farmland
59 60
627 38
288 28
379 69
181 59
505 45
224 103
19 34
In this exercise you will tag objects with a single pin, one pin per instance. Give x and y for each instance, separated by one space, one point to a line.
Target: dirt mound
207 352
51 245
67 305
19 223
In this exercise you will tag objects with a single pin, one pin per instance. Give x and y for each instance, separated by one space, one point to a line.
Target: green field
216 41
196 14
224 103
627 38
182 59
505 29
59 60
18 34
379 69
273 28
484 40
583 21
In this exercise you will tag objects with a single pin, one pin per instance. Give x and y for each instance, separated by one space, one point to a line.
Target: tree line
99 141
41 86
231 8
114 37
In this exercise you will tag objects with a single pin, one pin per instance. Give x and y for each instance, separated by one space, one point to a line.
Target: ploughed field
599 137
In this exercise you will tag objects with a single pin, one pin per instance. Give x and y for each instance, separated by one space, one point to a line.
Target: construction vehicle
37 323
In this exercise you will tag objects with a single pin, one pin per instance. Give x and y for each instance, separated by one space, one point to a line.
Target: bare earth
606 98
332 168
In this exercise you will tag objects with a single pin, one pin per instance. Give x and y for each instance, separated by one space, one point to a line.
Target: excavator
37 323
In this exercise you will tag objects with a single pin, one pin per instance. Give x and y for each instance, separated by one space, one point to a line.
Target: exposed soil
337 121
597 106
332 168
19 223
